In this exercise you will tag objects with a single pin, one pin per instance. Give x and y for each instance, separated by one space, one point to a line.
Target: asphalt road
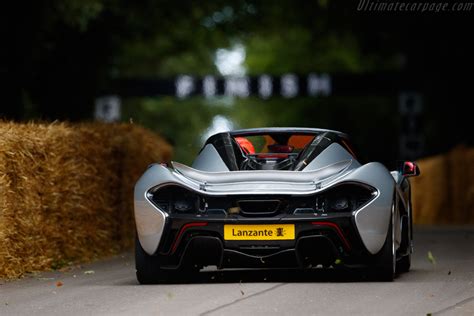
445 287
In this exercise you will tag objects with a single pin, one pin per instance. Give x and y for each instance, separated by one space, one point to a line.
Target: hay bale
66 191
461 185
444 192
428 191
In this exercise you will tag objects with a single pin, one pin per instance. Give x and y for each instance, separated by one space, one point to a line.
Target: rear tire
386 258
403 265
148 267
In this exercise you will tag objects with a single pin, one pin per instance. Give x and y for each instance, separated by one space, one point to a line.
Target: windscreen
273 143
273 150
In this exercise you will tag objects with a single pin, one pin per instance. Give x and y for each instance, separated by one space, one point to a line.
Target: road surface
109 287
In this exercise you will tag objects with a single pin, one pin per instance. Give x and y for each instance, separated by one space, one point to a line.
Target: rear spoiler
259 181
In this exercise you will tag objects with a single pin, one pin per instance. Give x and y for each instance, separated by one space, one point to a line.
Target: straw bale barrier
66 191
444 192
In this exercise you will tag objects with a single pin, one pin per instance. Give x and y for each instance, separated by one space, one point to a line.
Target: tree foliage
58 55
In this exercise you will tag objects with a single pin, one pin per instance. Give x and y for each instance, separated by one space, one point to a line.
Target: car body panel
330 155
209 160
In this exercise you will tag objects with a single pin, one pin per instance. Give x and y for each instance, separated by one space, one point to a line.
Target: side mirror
409 169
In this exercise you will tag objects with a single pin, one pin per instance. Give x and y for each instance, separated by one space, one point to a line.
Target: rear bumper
200 242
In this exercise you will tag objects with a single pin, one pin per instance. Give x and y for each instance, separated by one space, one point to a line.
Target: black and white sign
107 108
264 86
410 107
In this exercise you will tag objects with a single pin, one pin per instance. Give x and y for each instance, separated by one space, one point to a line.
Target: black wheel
386 258
404 262
147 267
403 265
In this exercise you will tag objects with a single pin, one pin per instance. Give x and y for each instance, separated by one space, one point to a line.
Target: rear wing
262 182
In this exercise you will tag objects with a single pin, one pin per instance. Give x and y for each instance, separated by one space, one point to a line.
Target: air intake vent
259 207
163 205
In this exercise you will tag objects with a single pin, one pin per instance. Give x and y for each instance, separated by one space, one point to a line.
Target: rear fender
372 220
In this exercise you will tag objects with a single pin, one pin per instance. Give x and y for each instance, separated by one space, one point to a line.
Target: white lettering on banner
184 86
237 86
289 86
265 86
107 108
209 86
319 85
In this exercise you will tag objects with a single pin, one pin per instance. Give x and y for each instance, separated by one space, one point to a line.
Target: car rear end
252 221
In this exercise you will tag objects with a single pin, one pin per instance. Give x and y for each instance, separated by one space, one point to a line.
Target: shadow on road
281 275
277 276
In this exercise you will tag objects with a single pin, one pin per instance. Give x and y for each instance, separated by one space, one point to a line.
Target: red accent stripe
338 231
181 232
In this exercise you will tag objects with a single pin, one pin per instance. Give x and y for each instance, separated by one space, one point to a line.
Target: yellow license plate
259 232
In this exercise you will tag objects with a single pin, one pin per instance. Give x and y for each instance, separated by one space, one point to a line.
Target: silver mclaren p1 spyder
273 197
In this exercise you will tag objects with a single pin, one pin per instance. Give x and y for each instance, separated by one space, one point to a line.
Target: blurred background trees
57 56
